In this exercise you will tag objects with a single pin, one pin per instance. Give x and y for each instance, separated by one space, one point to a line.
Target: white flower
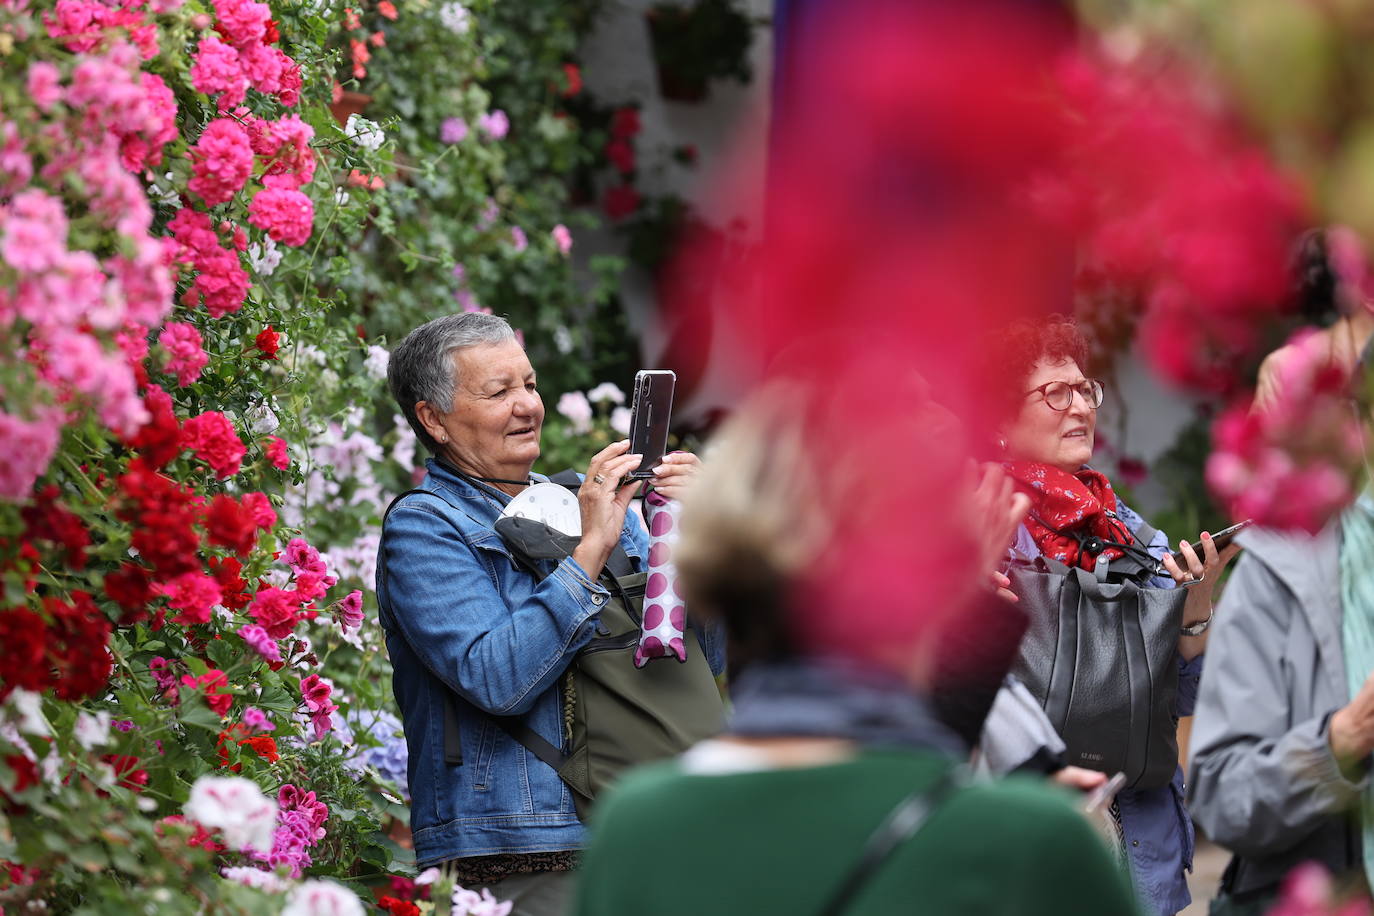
29 707
428 876
575 406
562 339
406 442
323 898
470 903
363 132
236 806
455 18
162 191
376 362
341 197
620 420
262 419
92 731
606 391
264 258
256 877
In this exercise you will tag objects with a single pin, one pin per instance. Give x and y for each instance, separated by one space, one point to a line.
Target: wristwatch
1200 627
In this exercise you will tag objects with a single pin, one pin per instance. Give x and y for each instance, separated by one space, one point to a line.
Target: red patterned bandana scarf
1067 508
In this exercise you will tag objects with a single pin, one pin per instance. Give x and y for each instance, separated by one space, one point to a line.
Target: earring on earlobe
444 439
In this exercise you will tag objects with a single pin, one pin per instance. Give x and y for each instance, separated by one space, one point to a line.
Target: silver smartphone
651 409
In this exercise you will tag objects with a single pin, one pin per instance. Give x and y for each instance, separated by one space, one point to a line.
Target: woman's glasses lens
1060 394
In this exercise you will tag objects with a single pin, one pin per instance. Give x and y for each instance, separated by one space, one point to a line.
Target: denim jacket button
598 599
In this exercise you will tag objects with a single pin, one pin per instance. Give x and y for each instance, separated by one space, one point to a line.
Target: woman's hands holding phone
603 501
1201 578
674 475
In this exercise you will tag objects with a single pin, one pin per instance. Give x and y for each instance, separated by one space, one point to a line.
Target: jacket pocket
1185 822
495 556
486 746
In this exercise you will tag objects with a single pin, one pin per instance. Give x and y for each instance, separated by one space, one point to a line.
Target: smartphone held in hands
650 412
1221 539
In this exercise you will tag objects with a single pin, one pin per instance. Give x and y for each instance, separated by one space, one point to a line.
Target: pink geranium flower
186 356
223 160
285 215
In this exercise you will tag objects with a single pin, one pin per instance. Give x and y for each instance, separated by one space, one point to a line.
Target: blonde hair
752 524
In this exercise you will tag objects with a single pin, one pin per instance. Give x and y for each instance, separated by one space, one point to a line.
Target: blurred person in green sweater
837 787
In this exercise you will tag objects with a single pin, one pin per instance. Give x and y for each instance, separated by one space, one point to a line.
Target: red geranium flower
397 907
261 745
212 681
22 663
159 441
48 520
625 122
574 77
226 572
127 771
621 201
78 637
622 155
268 341
230 524
212 437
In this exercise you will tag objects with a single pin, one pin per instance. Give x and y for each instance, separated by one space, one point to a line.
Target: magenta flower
256 720
453 130
260 642
494 124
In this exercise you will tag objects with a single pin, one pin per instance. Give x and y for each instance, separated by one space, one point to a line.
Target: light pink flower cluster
83 25
1293 463
186 355
300 826
29 446
1310 891
116 99
315 693
223 160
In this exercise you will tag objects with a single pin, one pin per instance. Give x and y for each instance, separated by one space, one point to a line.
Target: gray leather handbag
1101 658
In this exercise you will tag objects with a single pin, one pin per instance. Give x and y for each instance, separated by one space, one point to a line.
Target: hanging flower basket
694 44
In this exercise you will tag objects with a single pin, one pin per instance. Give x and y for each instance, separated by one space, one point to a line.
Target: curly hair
1015 350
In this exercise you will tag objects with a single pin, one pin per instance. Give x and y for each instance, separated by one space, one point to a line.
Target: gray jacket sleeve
1016 729
1263 776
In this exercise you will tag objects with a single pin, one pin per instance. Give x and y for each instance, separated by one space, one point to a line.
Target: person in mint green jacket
833 788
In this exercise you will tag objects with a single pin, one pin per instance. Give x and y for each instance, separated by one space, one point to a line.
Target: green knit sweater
672 843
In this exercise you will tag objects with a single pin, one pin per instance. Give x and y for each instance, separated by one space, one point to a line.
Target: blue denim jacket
460 616
1155 823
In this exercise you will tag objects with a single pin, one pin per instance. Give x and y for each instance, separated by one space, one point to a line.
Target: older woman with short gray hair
478 643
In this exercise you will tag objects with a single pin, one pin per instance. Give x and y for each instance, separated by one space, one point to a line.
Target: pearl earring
444 439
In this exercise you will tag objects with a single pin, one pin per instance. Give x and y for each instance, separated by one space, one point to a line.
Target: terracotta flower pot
349 103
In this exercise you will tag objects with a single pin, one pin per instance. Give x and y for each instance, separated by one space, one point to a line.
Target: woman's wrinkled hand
674 475
603 501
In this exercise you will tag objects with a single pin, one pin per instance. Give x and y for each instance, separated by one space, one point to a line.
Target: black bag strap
902 823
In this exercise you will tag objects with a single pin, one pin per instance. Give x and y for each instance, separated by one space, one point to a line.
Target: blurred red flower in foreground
1294 463
940 170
